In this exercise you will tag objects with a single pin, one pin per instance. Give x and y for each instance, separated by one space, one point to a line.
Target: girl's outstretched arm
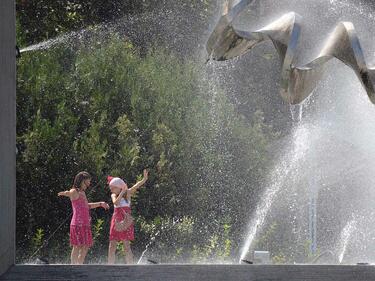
72 194
135 187
94 205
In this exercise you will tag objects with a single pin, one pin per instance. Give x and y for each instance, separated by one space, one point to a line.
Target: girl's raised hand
145 174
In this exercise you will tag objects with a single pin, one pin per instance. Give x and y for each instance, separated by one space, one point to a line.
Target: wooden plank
191 272
7 134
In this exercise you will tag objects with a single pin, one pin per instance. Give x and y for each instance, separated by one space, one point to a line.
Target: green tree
109 110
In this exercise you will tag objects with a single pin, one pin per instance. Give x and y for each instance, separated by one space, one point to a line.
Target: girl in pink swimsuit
80 225
122 227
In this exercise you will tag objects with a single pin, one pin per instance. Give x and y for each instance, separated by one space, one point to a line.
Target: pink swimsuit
80 225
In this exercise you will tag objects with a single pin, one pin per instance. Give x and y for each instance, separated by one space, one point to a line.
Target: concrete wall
7 134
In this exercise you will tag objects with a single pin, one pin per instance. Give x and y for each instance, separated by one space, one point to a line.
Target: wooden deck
191 272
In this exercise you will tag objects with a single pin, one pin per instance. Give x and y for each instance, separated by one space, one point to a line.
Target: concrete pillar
7 134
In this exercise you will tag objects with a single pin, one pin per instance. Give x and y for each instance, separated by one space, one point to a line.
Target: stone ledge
189 272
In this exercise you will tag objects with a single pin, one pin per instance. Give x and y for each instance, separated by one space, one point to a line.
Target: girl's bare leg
112 252
82 254
128 252
74 255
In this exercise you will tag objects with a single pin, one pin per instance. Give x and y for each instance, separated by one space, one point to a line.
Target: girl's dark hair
79 178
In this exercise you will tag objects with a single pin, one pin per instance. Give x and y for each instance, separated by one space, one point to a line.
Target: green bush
106 109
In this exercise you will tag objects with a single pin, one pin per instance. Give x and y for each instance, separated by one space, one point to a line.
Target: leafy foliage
108 110
39 20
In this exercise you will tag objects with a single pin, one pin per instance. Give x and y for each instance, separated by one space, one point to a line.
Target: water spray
327 253
152 240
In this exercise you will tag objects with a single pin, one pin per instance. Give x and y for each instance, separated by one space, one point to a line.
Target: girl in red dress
122 226
80 225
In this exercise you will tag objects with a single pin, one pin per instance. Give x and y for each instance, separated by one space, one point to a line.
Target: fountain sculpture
297 82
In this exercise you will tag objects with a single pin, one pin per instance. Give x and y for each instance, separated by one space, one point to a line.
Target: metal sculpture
297 82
